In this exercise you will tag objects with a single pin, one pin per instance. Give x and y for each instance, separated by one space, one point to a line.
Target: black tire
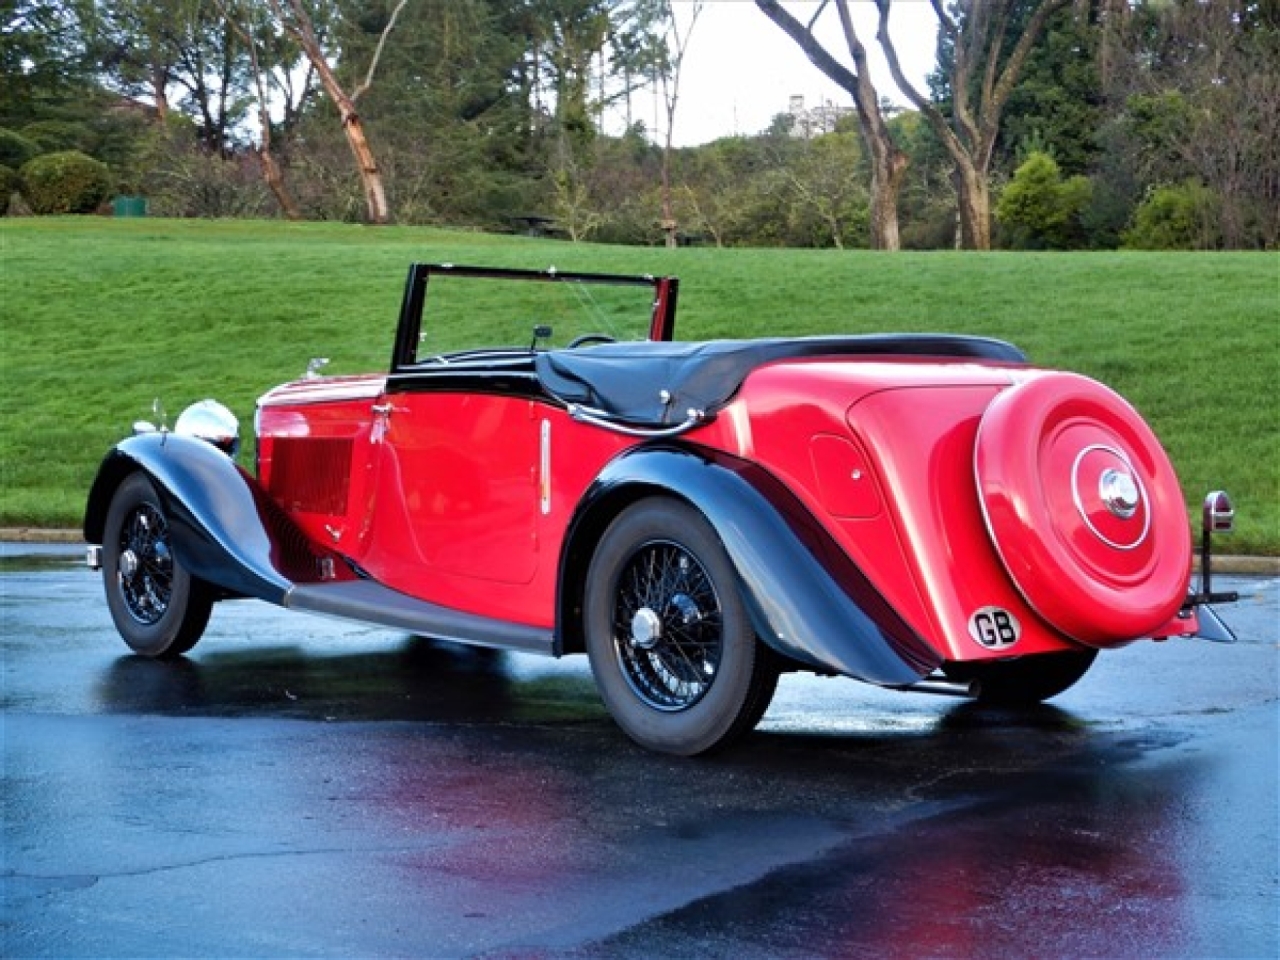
1026 680
671 645
158 607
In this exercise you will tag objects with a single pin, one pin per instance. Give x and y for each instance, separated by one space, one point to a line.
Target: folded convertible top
656 384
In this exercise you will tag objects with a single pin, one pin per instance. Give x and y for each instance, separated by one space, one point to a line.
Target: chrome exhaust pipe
943 687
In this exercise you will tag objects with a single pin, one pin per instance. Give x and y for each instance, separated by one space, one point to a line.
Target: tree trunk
303 31
669 223
888 167
888 163
271 171
973 205
159 85
274 177
980 88
375 196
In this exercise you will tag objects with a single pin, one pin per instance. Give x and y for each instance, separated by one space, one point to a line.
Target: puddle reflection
420 679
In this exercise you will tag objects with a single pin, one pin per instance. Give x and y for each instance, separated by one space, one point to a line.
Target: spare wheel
1084 508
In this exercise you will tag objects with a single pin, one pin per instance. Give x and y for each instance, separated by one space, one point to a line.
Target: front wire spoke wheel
159 608
145 571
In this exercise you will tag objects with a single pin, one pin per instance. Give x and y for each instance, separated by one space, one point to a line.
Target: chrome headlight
209 420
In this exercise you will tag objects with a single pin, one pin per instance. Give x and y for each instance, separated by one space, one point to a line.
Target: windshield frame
405 354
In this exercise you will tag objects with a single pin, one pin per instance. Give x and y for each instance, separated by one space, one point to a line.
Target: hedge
65 182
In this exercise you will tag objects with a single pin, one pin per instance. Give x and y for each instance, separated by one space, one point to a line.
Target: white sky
741 69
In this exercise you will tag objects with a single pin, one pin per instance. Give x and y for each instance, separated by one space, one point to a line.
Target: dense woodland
1048 124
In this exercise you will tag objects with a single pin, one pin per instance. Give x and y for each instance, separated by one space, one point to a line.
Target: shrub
65 182
1182 217
1040 209
9 183
15 149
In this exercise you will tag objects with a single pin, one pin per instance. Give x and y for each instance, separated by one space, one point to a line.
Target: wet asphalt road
300 787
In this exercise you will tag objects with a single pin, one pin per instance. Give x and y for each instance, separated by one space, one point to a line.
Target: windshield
466 310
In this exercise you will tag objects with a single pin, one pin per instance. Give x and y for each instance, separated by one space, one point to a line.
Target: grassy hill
99 317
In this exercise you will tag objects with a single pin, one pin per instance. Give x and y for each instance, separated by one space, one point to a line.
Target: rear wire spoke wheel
671 646
158 607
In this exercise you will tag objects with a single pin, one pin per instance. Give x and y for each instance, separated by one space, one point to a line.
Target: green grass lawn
100 316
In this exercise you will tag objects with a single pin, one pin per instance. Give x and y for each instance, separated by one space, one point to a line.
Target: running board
370 602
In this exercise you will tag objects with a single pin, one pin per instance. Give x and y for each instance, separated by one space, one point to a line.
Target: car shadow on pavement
421 679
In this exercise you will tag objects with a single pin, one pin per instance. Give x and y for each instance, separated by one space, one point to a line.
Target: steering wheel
587 338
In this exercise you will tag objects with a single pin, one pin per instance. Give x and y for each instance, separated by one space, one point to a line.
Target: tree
819 180
980 79
177 53
294 18
1196 95
42 61
271 171
888 162
675 44
1058 104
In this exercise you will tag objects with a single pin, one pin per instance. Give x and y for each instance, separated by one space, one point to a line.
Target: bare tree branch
271 171
367 82
944 20
812 47
888 162
817 13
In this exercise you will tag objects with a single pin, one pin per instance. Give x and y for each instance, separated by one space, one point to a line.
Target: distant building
809 122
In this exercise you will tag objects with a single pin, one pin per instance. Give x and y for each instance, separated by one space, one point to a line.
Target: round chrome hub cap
1120 494
646 629
128 564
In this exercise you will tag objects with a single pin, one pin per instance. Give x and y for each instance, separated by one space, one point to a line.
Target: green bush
9 183
1040 210
65 182
15 149
1183 217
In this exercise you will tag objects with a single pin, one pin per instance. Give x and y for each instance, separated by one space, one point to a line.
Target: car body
915 511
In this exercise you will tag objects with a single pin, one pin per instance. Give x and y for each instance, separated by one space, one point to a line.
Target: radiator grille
312 474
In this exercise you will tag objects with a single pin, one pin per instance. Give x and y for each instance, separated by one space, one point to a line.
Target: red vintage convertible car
920 512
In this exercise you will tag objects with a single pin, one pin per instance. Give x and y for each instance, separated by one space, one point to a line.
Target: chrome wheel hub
646 629
1120 494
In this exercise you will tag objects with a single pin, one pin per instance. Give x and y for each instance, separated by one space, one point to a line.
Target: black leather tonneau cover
656 384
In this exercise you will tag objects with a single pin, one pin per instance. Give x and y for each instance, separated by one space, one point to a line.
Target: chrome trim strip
598 418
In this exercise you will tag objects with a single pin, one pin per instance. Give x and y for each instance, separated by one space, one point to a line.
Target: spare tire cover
1084 508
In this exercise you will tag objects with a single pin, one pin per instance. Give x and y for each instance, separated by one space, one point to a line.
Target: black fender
224 528
808 600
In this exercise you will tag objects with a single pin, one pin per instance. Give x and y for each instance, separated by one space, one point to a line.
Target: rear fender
807 599
225 529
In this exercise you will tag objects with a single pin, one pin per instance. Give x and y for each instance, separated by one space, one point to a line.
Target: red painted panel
459 518
465 466
312 474
928 550
315 455
1085 509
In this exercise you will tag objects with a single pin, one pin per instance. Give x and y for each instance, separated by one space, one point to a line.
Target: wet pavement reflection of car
303 787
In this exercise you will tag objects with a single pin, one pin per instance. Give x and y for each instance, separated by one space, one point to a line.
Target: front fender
807 598
224 528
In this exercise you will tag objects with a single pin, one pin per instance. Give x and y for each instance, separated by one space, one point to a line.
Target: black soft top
656 384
